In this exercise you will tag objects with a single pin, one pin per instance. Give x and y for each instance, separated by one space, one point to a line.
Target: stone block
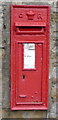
52 115
53 108
0 114
53 93
7 113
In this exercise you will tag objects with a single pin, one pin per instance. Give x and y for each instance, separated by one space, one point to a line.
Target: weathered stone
55 10
52 115
7 113
53 108
53 93
53 73
5 71
54 80
0 114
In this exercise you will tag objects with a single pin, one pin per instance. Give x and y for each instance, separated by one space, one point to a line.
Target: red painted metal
29 87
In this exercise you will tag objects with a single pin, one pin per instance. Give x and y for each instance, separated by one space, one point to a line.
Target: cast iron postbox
29 57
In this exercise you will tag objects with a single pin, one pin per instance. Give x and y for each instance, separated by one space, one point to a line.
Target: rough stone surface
7 113
5 60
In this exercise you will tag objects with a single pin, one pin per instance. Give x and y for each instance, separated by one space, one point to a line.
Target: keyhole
23 76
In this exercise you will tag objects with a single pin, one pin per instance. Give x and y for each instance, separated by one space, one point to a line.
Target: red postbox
29 57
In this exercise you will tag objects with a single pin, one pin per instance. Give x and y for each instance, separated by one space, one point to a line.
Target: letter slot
25 28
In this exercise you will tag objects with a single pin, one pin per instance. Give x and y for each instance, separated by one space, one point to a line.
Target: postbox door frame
44 104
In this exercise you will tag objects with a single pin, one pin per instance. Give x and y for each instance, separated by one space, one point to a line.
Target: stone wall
5 60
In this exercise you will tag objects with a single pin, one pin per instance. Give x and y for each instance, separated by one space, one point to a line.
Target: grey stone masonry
5 111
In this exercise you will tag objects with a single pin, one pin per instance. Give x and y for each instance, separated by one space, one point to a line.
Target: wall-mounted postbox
29 57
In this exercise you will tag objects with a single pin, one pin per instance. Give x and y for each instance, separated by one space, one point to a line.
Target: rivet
20 16
32 96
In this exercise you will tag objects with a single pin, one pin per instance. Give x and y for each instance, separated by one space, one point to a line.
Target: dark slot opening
29 28
23 76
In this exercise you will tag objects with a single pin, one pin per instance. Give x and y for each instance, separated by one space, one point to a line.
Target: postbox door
28 72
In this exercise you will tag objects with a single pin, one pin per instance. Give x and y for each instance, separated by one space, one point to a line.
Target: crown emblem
30 14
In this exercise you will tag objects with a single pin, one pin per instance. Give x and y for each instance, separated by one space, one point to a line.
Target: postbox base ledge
40 108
